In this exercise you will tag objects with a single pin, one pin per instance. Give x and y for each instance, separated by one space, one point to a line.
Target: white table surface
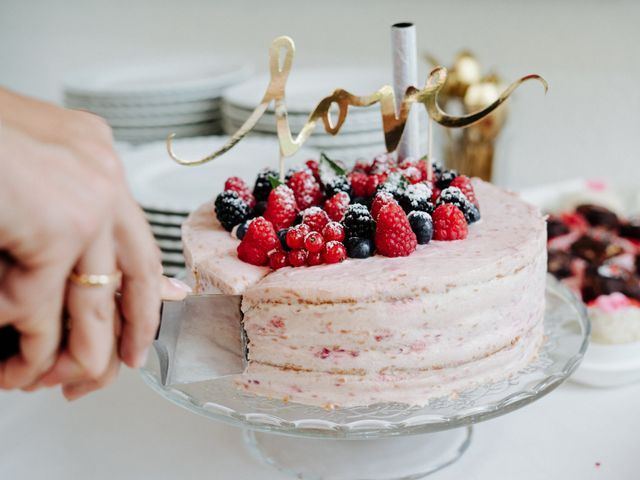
128 432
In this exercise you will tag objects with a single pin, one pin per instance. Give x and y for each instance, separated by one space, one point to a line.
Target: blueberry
260 208
242 229
282 236
422 226
359 247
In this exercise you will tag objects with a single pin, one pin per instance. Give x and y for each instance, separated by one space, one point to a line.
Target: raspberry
262 187
278 259
313 242
337 184
416 197
231 210
435 195
298 257
455 196
423 167
373 182
259 240
337 205
333 231
449 223
394 236
358 222
358 183
281 207
382 199
362 166
412 174
316 218
382 163
305 188
315 169
314 258
295 236
238 185
464 184
334 252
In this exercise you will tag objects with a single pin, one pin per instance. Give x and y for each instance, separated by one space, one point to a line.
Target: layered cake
356 291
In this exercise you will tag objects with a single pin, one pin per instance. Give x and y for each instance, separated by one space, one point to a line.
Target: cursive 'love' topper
393 124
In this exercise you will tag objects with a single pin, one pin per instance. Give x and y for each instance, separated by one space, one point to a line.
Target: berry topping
260 208
449 223
455 196
262 186
333 231
314 167
423 166
416 197
358 222
337 205
464 184
316 218
314 258
373 182
382 199
259 240
305 188
313 242
278 259
334 252
298 257
359 247
412 174
382 164
295 236
358 183
238 185
445 178
336 184
241 229
394 237
422 226
362 166
281 207
231 210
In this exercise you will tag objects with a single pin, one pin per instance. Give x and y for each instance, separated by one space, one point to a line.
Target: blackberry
363 201
455 196
262 187
359 247
416 197
445 178
282 236
437 170
391 188
231 209
260 208
422 225
358 222
336 184
241 230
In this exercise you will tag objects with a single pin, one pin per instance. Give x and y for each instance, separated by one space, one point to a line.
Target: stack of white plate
149 100
360 136
168 192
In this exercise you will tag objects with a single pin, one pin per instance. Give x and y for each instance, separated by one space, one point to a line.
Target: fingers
91 311
139 260
174 289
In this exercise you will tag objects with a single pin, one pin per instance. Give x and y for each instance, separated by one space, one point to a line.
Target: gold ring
95 279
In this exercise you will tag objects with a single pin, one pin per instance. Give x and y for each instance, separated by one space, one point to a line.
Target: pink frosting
612 302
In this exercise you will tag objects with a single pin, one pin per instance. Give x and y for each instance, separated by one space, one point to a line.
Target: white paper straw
405 74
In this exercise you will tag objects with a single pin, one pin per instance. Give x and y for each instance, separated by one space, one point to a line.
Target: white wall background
588 51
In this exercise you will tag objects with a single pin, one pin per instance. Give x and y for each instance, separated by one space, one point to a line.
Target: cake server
200 338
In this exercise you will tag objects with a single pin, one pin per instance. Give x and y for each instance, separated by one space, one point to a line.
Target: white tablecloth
128 432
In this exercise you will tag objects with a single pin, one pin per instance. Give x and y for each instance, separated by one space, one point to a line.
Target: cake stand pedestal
385 441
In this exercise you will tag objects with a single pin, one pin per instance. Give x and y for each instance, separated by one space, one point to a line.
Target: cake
432 321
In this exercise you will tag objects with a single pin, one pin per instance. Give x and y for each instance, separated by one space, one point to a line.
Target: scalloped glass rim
567 331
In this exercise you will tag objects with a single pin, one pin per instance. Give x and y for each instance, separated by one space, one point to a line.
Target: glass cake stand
386 441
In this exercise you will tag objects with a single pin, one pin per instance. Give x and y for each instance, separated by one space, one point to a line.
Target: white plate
185 77
306 87
141 109
609 365
146 121
159 183
151 134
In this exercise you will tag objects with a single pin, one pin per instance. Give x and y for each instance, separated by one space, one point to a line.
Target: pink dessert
436 319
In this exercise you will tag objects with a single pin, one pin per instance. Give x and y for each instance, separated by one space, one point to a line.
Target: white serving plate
609 365
158 183
138 109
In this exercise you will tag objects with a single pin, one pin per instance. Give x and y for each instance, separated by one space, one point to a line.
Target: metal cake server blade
200 337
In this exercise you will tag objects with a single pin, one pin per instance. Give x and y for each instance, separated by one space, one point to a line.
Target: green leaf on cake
338 170
274 181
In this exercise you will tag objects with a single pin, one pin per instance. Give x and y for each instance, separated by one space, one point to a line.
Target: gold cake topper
393 125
